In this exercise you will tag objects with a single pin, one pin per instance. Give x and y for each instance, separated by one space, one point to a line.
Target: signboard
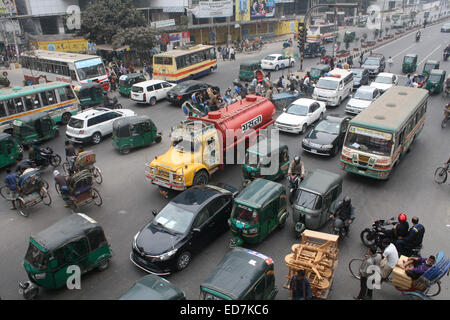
163 23
242 10
8 7
213 9
371 133
79 45
262 9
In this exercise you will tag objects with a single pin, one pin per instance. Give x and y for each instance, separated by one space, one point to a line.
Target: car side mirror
154 212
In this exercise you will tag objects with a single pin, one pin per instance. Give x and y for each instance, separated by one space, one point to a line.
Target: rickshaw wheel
4 191
125 150
440 175
97 197
65 167
20 206
31 294
55 160
353 267
45 195
58 190
97 175
158 139
103 265
434 290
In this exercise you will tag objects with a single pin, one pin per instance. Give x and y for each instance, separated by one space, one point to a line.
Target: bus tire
200 178
65 118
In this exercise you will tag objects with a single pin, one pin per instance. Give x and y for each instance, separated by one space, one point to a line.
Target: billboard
8 7
213 9
262 9
243 10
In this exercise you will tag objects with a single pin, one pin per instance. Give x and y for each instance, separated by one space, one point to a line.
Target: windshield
429 67
327 84
181 144
314 72
90 68
270 58
371 141
180 87
209 296
435 78
357 73
328 127
309 200
76 123
381 79
174 218
409 59
372 62
256 160
363 95
36 257
244 214
297 109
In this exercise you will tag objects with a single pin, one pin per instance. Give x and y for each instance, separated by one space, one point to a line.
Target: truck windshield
327 84
36 257
181 144
371 141
244 214
309 200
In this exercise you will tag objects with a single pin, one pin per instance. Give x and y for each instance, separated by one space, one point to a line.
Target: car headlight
253 231
327 146
167 255
305 141
134 240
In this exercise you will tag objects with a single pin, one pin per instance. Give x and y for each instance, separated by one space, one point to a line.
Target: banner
243 10
262 9
8 7
213 9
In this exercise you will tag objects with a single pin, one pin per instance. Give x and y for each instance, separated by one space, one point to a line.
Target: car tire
292 64
304 128
152 101
65 118
158 139
103 265
277 67
183 260
96 138
321 116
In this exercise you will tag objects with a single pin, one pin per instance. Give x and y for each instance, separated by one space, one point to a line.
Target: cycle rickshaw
85 161
33 189
81 190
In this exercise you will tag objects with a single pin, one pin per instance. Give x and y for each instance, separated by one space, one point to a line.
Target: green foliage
103 19
138 38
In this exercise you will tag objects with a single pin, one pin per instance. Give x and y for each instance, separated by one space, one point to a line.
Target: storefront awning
108 47
173 9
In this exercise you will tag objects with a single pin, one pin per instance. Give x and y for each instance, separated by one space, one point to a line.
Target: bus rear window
163 60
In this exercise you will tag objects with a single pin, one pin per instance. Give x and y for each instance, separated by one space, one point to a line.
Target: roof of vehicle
260 192
341 72
148 83
265 146
376 55
391 111
386 74
196 197
304 101
432 62
130 120
335 117
92 112
33 117
412 55
237 272
321 67
320 181
180 52
22 91
274 55
132 75
366 89
250 63
89 85
68 228
153 287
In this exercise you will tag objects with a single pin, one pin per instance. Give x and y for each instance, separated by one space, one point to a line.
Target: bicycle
441 173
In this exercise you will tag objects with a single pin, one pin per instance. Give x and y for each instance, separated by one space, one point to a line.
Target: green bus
380 136
56 98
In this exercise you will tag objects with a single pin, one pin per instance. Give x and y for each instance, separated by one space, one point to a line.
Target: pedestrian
269 93
71 153
361 59
306 83
372 258
244 91
390 258
232 54
339 64
350 61
300 286
224 54
331 63
11 183
390 63
150 72
409 80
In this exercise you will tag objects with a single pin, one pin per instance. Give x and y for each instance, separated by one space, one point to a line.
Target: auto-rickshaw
90 94
430 65
247 70
153 287
349 36
318 71
257 211
126 81
36 127
436 81
242 274
260 158
409 63
133 132
317 196
314 49
9 150
54 254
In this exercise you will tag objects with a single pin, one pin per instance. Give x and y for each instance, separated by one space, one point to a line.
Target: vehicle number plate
313 151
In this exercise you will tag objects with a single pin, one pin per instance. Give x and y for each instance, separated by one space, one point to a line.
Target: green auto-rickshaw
257 211
317 196
153 287
134 132
33 128
241 275
74 244
430 65
247 70
90 94
436 81
126 81
349 36
409 63
318 71
9 150
266 159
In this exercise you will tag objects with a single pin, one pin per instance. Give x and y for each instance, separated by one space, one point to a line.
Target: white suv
93 124
150 91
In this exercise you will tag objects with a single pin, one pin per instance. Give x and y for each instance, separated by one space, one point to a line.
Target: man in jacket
300 286
345 211
372 258
412 240
297 167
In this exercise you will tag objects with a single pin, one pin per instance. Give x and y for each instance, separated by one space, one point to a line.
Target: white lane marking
429 55
402 52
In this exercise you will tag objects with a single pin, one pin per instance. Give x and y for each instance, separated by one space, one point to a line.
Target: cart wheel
31 294
434 290
125 150
97 175
440 175
55 160
44 184
4 191
20 207
97 197
158 139
45 195
103 265
353 267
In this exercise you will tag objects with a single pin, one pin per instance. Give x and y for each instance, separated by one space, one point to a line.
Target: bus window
2 109
69 93
187 60
212 54
11 107
44 99
73 75
28 103
62 95
180 62
36 102
51 97
19 105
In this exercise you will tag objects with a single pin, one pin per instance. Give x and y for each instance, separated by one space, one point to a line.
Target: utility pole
335 28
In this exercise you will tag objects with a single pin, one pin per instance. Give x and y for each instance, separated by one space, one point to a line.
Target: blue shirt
297 286
11 181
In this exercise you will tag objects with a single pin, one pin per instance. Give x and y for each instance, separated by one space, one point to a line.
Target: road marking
429 55
402 52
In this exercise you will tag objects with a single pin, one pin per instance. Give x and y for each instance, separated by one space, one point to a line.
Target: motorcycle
48 157
113 104
446 54
375 234
294 182
417 37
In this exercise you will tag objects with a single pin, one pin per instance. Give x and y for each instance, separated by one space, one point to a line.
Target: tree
138 38
103 19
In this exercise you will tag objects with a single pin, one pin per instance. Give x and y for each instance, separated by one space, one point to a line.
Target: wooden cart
317 254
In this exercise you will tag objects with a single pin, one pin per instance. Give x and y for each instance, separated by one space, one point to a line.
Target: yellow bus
183 64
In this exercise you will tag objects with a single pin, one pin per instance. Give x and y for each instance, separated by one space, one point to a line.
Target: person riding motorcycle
418 34
447 50
345 212
297 167
400 228
412 240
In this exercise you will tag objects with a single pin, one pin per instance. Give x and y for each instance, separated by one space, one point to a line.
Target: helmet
297 159
55 173
402 217
347 200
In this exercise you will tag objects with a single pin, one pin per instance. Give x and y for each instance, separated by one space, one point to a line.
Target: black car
360 77
314 49
187 224
374 63
327 137
183 91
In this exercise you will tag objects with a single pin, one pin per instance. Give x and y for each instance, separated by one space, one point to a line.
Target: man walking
300 287
390 63
372 258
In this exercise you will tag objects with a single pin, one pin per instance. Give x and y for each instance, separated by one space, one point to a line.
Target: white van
150 91
334 88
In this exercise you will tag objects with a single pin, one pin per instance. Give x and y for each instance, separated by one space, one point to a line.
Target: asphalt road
128 200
